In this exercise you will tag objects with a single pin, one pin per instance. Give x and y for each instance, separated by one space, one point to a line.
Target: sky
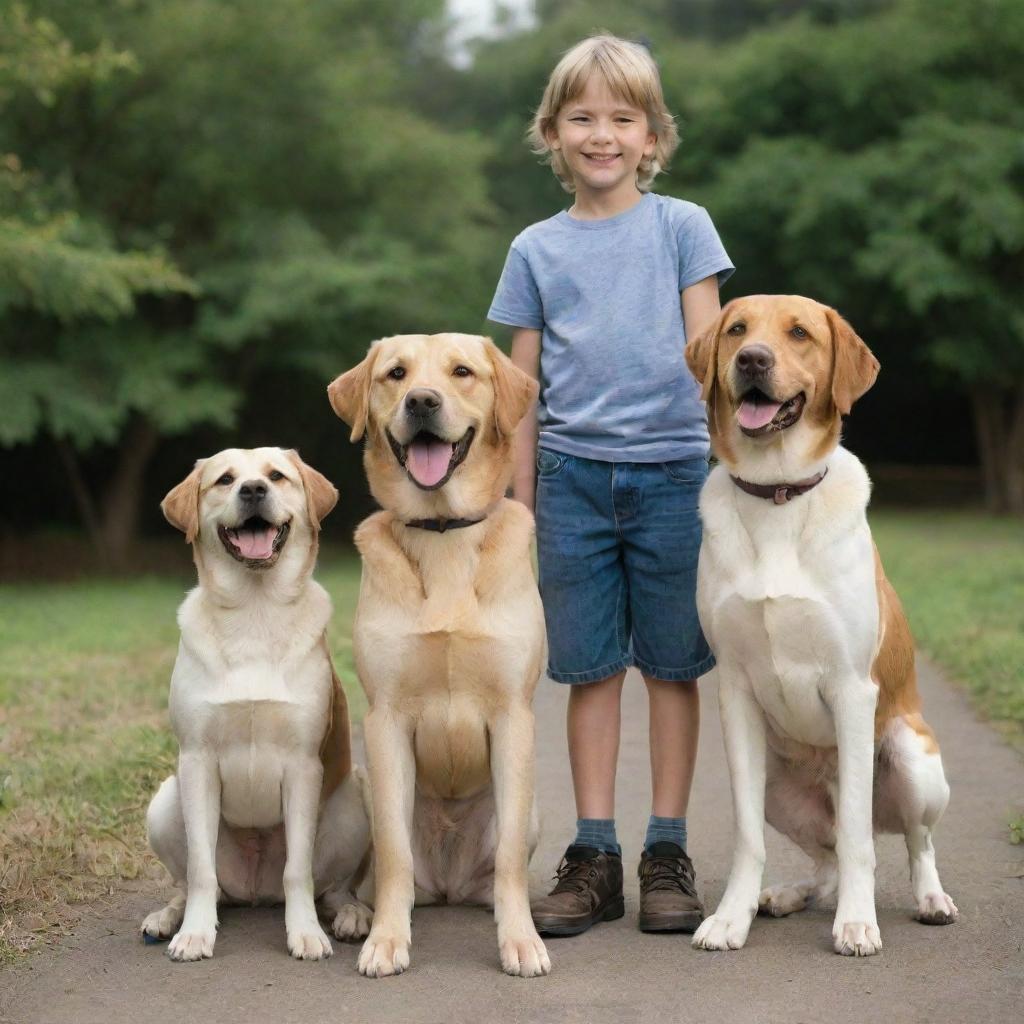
477 17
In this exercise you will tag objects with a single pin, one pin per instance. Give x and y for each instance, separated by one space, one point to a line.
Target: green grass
961 579
84 739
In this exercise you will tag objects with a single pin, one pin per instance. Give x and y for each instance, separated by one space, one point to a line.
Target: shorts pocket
686 471
549 463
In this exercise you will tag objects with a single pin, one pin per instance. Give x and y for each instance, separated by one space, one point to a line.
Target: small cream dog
820 708
265 805
449 638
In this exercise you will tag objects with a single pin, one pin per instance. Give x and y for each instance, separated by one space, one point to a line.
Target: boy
602 297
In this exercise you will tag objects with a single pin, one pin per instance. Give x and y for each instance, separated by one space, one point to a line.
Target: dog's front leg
199 785
392 766
300 795
855 932
512 760
743 727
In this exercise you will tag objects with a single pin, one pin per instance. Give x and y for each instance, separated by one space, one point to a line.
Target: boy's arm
526 355
700 305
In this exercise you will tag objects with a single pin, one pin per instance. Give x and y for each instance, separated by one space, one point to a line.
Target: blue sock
661 830
597 832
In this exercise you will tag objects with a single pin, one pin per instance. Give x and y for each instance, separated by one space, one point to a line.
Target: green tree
267 162
878 165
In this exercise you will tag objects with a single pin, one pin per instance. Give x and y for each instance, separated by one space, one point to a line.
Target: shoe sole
688 922
612 912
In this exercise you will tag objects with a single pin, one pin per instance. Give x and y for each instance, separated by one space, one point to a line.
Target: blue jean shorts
617 547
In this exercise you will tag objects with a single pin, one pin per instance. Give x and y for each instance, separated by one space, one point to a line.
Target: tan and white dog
449 638
265 805
815 661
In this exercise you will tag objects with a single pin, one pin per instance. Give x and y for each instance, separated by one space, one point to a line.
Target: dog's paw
523 955
720 932
780 900
382 956
937 908
352 922
192 945
162 924
309 943
856 938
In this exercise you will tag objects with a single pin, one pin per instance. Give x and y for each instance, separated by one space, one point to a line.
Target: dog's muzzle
255 542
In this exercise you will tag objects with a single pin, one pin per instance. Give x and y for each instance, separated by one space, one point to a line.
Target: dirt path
972 971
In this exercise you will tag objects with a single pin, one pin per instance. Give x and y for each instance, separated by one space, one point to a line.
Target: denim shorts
617 547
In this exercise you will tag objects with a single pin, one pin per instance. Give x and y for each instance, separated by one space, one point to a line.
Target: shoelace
574 876
668 873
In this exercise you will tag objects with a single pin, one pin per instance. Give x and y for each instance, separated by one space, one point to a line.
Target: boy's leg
657 511
675 727
586 609
668 893
593 723
589 887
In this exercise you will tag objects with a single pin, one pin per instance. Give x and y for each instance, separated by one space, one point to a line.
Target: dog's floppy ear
514 391
350 394
181 506
854 368
321 494
701 354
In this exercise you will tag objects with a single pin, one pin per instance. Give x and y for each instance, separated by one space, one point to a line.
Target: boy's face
602 139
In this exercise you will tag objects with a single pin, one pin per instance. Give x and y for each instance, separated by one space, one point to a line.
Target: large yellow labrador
449 638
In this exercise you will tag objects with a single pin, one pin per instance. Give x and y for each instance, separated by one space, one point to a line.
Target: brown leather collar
780 493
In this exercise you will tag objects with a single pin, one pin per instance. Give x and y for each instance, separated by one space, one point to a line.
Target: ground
970 971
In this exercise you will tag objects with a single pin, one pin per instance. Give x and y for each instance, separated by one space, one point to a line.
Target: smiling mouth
602 158
759 414
429 460
255 543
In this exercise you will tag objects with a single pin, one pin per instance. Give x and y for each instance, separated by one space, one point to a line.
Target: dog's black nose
422 401
754 360
253 491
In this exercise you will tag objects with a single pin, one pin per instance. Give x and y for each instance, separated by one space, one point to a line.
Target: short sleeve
517 300
701 252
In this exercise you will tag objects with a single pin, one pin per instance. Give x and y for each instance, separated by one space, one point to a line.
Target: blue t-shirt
614 383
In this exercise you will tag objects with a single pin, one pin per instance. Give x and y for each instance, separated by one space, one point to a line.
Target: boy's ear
514 391
854 367
181 505
349 394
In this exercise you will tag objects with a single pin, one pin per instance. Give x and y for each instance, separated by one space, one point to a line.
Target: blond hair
630 74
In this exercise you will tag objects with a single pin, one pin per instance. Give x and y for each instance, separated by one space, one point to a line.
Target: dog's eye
737 329
462 371
396 372
275 476
226 479
798 332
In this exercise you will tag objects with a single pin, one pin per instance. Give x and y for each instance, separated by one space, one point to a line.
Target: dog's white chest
253 722
793 618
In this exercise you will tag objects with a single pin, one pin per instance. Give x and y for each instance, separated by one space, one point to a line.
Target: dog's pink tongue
256 543
754 415
428 460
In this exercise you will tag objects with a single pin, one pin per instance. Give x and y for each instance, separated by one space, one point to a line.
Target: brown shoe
589 889
668 891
